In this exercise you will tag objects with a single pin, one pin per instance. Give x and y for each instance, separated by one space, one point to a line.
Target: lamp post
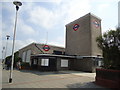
7 36
17 4
3 54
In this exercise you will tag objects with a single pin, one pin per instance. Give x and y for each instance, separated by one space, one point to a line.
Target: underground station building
80 53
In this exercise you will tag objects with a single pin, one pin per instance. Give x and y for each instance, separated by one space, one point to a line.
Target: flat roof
65 56
52 55
89 14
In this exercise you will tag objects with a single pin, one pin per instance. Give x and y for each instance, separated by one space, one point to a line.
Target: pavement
37 79
0 75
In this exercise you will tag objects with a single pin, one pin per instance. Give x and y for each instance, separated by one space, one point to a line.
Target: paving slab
37 79
0 75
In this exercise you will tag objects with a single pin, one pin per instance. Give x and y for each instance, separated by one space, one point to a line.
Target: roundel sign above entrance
96 24
75 27
46 48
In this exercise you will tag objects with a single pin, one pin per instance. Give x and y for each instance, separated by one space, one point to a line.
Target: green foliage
110 44
7 59
16 58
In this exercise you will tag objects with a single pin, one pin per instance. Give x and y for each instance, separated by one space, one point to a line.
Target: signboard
45 62
64 63
96 24
46 48
75 27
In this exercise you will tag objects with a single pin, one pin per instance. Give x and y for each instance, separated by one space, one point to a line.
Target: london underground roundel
46 48
96 24
75 27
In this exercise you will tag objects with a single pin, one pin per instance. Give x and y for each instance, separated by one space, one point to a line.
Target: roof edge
84 16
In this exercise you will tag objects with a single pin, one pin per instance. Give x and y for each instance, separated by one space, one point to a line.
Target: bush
109 43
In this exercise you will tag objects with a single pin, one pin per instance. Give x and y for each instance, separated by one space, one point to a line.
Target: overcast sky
37 17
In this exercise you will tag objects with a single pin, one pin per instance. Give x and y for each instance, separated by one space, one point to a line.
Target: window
99 63
39 61
95 63
28 54
44 62
35 61
24 56
57 52
64 63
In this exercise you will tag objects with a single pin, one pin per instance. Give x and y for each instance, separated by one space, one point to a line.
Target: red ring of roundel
46 49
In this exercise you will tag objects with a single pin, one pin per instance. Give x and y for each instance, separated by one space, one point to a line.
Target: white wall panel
44 62
28 55
24 56
64 63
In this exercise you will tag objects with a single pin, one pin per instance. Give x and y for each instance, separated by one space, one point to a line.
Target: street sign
46 48
96 24
75 27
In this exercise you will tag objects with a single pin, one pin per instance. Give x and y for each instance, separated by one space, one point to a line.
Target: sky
43 21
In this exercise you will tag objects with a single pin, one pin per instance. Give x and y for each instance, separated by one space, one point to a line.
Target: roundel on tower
96 24
75 27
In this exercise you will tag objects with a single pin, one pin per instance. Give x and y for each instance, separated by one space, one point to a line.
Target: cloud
44 17
0 24
101 7
57 1
75 9
37 18
106 11
59 41
18 45
56 43
65 11
8 19
30 40
24 28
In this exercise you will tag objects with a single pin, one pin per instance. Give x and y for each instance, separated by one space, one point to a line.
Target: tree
110 44
16 58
